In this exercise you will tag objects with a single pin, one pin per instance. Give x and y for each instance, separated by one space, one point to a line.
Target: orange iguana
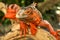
29 17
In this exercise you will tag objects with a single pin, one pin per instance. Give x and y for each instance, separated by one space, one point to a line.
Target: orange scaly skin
11 14
23 28
33 29
37 21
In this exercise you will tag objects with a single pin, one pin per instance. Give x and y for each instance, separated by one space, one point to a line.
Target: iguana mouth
21 14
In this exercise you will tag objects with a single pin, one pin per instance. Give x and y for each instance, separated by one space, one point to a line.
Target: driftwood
3 7
41 35
15 35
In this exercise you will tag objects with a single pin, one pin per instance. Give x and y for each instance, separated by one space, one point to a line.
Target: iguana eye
28 11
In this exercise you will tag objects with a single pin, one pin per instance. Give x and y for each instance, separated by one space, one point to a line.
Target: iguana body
29 17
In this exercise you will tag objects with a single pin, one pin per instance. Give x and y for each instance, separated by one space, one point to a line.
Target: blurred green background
46 7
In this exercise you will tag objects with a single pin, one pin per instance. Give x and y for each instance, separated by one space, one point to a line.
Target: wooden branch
41 34
3 7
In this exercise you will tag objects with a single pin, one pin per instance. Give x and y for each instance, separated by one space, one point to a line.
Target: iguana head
25 11
29 12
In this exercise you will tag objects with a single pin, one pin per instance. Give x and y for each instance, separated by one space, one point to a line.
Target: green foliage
49 15
19 2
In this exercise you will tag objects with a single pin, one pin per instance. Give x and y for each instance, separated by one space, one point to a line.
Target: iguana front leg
33 28
23 28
